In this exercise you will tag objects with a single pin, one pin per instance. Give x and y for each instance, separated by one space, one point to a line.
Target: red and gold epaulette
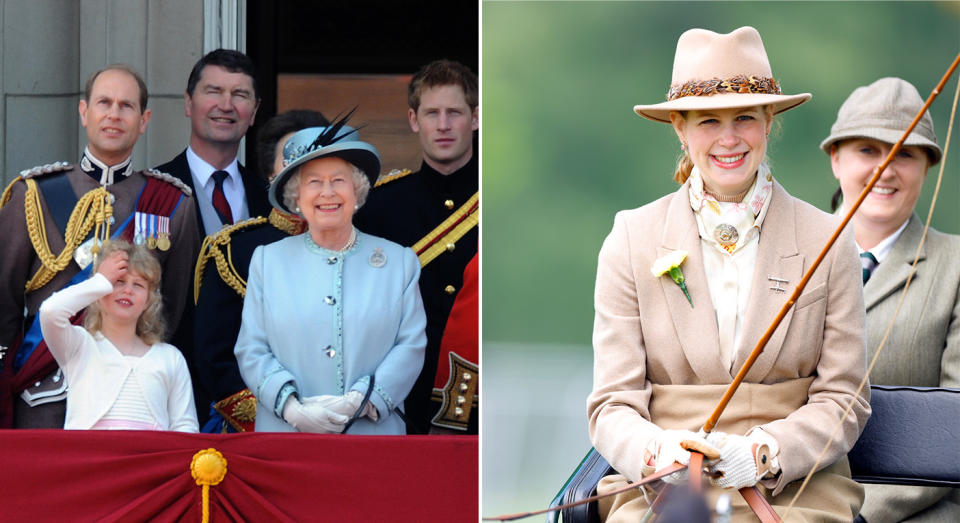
393 175
239 410
288 223
160 175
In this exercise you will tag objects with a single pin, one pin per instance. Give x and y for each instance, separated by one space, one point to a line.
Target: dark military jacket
255 189
219 305
404 210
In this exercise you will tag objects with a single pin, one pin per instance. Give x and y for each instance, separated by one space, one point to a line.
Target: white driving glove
738 465
667 449
313 416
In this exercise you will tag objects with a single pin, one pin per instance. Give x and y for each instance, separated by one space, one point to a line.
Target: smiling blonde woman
662 362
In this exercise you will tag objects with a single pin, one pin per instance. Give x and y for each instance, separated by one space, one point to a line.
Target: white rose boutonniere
670 264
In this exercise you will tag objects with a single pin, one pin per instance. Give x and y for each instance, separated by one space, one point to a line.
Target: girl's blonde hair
150 325
685 164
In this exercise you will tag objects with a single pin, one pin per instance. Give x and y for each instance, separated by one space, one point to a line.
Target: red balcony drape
56 475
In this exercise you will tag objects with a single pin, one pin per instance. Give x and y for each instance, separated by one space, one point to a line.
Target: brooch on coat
670 264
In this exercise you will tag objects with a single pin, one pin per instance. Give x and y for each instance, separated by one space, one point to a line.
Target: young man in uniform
434 210
55 219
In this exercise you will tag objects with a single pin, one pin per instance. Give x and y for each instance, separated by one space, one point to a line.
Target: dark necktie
220 203
869 263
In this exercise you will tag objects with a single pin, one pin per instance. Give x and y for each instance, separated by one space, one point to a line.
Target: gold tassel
211 248
93 208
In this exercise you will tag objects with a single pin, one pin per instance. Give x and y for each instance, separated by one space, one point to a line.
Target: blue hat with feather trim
337 139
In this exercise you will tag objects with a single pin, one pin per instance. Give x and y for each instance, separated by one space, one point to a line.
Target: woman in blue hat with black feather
332 338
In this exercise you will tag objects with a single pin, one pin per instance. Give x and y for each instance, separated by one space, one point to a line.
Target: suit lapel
180 167
892 274
255 189
696 328
778 256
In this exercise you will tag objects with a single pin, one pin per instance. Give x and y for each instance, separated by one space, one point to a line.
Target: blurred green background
563 151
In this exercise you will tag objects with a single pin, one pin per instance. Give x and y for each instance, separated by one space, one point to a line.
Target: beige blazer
645 331
923 350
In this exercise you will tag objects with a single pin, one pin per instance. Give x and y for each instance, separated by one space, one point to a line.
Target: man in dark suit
221 101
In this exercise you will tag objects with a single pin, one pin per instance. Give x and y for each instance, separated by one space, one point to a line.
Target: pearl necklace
351 241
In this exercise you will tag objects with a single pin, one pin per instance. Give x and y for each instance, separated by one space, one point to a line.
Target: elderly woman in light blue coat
332 337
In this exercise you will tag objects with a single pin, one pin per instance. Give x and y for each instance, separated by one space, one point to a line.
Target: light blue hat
337 139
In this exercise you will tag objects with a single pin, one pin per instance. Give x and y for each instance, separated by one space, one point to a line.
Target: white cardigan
95 370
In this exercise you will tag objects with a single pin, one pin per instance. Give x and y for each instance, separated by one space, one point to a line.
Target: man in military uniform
436 209
54 220
220 284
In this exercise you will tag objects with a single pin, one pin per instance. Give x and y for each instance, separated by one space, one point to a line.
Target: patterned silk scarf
728 225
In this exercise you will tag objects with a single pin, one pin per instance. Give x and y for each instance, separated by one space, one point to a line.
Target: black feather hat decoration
337 140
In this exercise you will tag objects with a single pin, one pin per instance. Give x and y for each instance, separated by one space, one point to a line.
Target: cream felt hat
720 71
882 111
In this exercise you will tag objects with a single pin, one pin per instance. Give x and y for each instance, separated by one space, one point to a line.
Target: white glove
313 416
370 411
737 467
338 404
346 404
667 449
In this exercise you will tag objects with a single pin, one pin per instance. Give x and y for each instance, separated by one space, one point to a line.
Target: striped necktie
220 203
869 263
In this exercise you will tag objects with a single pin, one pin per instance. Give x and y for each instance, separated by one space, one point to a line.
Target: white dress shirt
730 279
202 174
882 249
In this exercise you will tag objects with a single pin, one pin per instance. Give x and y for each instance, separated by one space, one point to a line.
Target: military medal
163 242
726 234
378 258
152 231
138 234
